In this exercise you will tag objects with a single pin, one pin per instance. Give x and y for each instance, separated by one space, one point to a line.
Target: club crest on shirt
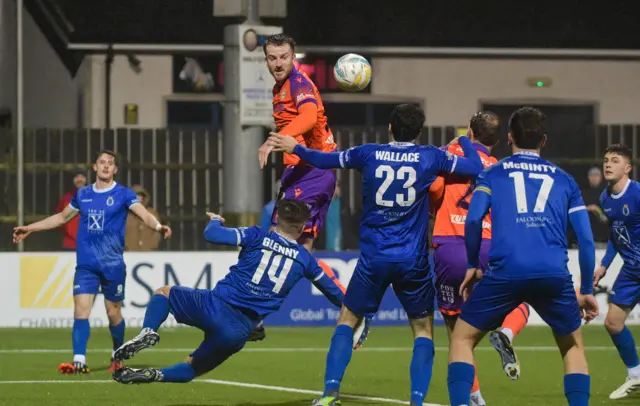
110 201
283 94
625 209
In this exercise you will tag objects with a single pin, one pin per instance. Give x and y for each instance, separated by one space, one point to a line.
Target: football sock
460 381
576 389
178 373
338 359
421 368
516 321
117 334
476 381
80 337
626 347
157 312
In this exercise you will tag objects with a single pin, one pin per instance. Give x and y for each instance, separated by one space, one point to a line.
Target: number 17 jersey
395 194
530 200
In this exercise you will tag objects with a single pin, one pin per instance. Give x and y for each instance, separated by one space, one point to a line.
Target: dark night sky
464 23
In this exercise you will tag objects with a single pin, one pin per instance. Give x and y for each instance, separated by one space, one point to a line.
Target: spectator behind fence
333 223
591 196
139 237
267 210
70 229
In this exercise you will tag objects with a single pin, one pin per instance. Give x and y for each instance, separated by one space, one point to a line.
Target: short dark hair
486 127
406 122
528 127
293 213
108 152
278 40
622 150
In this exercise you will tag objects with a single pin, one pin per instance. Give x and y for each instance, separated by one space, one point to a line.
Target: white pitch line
292 349
56 381
233 383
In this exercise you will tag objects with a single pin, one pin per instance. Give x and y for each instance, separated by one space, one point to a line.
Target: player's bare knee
114 312
164 291
422 327
616 318
614 325
348 317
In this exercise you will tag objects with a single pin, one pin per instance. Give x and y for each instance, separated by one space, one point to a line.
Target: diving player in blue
621 204
393 237
531 200
269 265
103 208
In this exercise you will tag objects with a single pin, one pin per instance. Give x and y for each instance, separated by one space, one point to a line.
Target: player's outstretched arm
322 160
325 285
216 233
301 124
449 163
470 152
51 222
150 220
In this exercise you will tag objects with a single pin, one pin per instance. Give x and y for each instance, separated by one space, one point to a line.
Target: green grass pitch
288 367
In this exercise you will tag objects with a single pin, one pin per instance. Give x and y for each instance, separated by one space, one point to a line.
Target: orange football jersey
297 90
450 195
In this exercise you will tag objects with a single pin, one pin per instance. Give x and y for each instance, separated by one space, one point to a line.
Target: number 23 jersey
395 193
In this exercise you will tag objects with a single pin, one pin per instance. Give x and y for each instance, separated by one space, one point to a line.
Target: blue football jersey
530 200
623 212
103 217
395 194
269 265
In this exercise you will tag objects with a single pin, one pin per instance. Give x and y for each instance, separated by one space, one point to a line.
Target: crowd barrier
36 288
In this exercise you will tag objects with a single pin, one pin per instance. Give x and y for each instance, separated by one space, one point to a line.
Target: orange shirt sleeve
304 122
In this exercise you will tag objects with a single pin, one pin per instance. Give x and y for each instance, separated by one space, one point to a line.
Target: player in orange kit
298 112
451 196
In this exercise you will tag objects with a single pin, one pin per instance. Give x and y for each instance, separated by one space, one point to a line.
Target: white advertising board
256 83
36 288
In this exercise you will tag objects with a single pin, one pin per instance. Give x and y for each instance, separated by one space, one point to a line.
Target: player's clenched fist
165 231
282 143
588 307
20 233
213 216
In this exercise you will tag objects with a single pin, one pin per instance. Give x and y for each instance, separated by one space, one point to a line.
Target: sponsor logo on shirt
303 96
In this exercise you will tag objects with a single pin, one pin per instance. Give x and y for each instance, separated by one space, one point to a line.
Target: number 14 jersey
530 200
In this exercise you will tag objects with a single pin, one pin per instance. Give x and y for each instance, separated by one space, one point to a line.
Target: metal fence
182 170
